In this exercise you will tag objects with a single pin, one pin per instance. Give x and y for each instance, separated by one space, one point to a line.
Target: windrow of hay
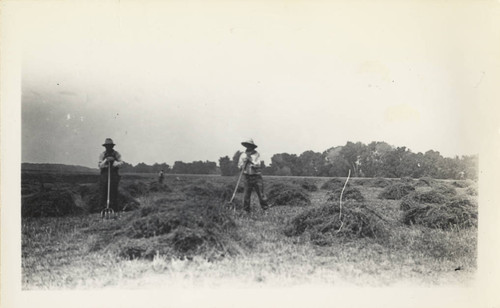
287 194
323 223
350 193
181 230
396 191
458 211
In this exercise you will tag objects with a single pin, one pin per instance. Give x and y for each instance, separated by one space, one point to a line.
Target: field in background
64 252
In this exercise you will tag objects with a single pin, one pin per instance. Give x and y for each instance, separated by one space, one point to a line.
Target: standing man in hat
250 163
109 159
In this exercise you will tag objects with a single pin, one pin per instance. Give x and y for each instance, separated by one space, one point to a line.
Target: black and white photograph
250 153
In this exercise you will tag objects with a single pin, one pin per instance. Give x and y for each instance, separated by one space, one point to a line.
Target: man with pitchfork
109 159
250 162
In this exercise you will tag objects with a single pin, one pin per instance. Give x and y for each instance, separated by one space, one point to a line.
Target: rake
230 204
108 212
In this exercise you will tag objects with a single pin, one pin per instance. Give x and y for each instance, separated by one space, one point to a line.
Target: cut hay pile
91 196
462 183
417 198
334 184
445 189
323 223
350 193
136 188
159 187
140 188
52 203
458 212
471 191
287 194
307 185
396 191
380 182
425 181
206 190
181 230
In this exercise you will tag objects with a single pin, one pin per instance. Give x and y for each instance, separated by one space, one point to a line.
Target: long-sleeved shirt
104 164
253 162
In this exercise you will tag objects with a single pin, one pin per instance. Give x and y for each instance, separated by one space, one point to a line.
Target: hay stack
52 203
471 191
136 188
91 197
396 191
416 198
380 182
180 230
159 187
350 193
287 194
306 184
334 184
323 223
425 181
458 211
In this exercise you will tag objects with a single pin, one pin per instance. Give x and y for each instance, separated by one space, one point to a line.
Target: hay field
182 233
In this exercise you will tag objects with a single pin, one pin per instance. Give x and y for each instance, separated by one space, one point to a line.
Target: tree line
376 159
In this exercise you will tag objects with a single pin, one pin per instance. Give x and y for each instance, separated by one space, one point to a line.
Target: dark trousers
113 189
254 182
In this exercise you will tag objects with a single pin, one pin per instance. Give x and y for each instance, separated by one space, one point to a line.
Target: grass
60 252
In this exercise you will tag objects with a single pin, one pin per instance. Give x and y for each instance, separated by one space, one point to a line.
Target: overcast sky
191 80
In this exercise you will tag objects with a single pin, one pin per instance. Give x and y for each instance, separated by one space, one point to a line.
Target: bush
396 191
287 194
350 193
324 224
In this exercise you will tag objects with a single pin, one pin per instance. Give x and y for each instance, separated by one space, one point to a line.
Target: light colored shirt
104 164
252 162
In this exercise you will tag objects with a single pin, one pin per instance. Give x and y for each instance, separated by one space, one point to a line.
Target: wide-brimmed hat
108 141
249 144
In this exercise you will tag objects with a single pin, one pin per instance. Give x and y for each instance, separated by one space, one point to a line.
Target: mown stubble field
83 251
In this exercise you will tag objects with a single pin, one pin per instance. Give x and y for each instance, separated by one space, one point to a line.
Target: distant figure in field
161 176
109 159
461 175
250 163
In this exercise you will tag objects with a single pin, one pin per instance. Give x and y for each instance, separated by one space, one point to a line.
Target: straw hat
249 143
108 141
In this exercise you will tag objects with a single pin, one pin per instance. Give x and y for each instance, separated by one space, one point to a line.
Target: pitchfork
108 212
